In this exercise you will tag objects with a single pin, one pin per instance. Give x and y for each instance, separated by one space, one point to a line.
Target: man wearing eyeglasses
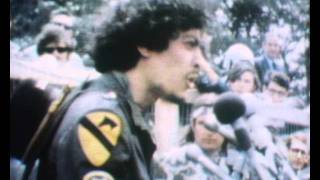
298 155
278 87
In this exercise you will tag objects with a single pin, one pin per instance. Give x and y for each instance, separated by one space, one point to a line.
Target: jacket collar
119 83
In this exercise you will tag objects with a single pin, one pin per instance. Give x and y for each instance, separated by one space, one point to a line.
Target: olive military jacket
102 135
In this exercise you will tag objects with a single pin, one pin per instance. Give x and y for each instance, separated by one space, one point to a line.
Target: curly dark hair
150 24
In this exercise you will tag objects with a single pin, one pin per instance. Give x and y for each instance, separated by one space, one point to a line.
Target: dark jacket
264 68
103 134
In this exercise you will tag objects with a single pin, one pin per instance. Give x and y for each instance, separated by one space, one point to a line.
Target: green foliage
247 13
242 18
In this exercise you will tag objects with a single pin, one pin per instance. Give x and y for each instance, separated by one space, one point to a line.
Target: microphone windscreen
243 139
228 108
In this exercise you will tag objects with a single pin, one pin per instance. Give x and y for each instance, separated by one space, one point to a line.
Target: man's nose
199 58
55 52
299 154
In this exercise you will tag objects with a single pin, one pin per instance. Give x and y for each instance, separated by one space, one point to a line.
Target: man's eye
201 123
194 43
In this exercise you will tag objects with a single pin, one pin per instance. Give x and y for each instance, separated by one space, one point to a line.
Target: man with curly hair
145 52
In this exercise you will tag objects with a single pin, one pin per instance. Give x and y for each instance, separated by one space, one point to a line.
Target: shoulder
94 102
94 127
94 109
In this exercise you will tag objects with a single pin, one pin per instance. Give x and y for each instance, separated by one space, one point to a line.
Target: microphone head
228 108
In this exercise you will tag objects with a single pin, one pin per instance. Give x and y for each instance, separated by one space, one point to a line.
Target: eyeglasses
59 49
298 151
279 93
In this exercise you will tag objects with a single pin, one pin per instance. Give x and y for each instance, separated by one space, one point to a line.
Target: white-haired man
271 59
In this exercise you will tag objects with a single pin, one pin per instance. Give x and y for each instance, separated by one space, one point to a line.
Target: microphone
228 110
205 85
230 135
243 139
229 107
195 153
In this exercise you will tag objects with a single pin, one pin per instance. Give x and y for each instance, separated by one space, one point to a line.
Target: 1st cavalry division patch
98 133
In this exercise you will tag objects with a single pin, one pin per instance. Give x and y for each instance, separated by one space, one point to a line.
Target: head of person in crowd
156 44
235 53
278 87
242 78
298 151
208 140
55 41
272 45
62 17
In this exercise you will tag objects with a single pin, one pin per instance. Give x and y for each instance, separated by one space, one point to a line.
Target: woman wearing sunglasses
58 63
56 42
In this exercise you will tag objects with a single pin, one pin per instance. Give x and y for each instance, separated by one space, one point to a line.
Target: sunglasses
59 49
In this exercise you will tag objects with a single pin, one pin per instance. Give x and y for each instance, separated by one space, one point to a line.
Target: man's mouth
191 78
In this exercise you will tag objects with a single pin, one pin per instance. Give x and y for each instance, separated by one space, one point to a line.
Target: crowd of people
139 56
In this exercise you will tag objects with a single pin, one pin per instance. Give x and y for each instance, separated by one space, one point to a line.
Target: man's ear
145 53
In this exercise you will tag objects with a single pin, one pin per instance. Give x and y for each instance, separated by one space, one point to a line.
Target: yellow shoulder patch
98 133
96 175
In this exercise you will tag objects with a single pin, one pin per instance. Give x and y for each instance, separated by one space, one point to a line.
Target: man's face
208 140
245 84
272 47
276 92
169 70
298 157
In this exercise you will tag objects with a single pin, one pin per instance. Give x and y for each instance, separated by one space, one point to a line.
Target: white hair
238 52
